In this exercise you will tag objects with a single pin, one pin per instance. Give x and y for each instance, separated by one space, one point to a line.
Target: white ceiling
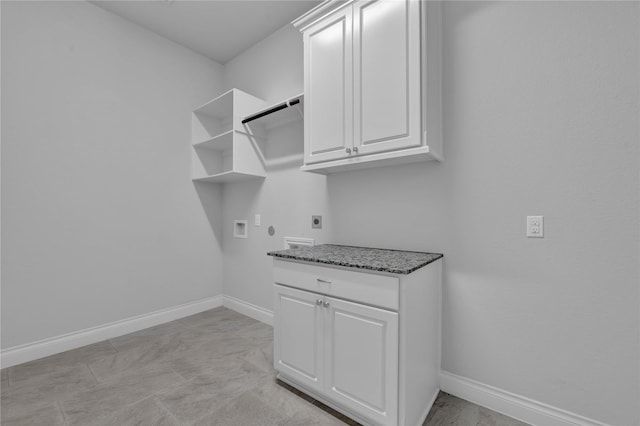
218 29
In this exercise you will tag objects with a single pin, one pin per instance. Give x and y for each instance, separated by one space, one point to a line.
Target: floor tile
204 394
258 333
108 397
219 319
149 411
148 336
45 415
30 370
245 410
282 399
314 409
262 357
201 362
207 336
4 374
58 383
313 416
149 353
297 409
491 418
449 410
224 345
215 367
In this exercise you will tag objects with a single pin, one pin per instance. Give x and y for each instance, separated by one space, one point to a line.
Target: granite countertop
374 259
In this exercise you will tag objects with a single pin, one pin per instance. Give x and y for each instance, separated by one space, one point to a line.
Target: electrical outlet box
316 222
535 226
240 229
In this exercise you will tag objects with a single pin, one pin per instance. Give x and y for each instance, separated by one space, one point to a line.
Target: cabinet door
328 110
387 91
361 359
298 336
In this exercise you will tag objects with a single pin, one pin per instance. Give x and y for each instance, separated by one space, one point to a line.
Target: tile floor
213 368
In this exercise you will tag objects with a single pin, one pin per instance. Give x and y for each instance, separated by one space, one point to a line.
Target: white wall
287 198
271 69
543 118
100 218
541 104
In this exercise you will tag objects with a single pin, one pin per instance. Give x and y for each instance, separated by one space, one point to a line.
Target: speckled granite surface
374 259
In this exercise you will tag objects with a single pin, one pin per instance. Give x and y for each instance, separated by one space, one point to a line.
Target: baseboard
65 342
512 405
248 309
42 348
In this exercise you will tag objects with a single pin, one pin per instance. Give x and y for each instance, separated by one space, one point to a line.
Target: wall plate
316 222
535 226
295 242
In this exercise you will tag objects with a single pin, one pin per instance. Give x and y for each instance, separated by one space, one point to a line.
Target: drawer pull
323 281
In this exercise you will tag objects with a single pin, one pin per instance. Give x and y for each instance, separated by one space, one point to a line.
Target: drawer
362 287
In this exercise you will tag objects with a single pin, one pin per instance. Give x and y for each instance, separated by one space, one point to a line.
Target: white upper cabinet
386 75
328 84
372 83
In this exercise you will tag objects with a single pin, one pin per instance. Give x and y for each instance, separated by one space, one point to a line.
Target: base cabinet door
361 359
341 350
298 338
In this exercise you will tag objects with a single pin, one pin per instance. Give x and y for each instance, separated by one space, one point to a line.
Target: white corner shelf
216 142
229 176
223 149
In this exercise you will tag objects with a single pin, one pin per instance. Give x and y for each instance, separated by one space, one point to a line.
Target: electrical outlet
535 226
316 222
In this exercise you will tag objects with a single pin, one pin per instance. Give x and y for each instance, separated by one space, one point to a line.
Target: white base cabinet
365 344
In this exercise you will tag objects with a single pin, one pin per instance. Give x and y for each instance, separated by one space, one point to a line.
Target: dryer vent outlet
316 222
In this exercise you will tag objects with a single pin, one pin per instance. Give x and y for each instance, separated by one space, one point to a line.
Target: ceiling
217 29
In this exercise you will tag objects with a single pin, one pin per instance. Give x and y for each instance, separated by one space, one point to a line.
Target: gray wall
541 106
100 219
286 199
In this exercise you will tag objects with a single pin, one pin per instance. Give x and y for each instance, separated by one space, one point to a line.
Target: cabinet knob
325 304
355 149
318 302
348 150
